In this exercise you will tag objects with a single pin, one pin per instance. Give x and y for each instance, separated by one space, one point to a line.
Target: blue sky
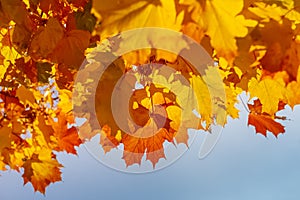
243 165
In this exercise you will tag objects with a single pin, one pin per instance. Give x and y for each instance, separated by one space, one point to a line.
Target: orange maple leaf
263 122
107 140
41 170
135 147
70 49
53 42
46 39
67 137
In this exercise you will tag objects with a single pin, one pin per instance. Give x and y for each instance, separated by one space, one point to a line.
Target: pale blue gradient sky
243 165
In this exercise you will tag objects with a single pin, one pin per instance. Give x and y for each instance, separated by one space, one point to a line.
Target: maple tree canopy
51 49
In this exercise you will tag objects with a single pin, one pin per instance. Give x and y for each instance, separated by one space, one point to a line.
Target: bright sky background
243 165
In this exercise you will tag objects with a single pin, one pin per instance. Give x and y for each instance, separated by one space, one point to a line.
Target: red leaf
264 123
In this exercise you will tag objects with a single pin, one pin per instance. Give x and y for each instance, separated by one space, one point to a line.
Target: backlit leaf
41 170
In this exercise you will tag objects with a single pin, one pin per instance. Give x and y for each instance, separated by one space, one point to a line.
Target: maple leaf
41 170
263 122
75 43
174 110
217 16
41 48
276 45
276 10
135 146
151 104
67 137
269 92
107 140
221 22
87 131
122 16
25 96
211 97
281 51
203 98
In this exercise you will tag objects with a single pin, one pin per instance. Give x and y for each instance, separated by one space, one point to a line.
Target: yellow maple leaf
269 92
269 10
118 16
223 25
231 100
203 98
